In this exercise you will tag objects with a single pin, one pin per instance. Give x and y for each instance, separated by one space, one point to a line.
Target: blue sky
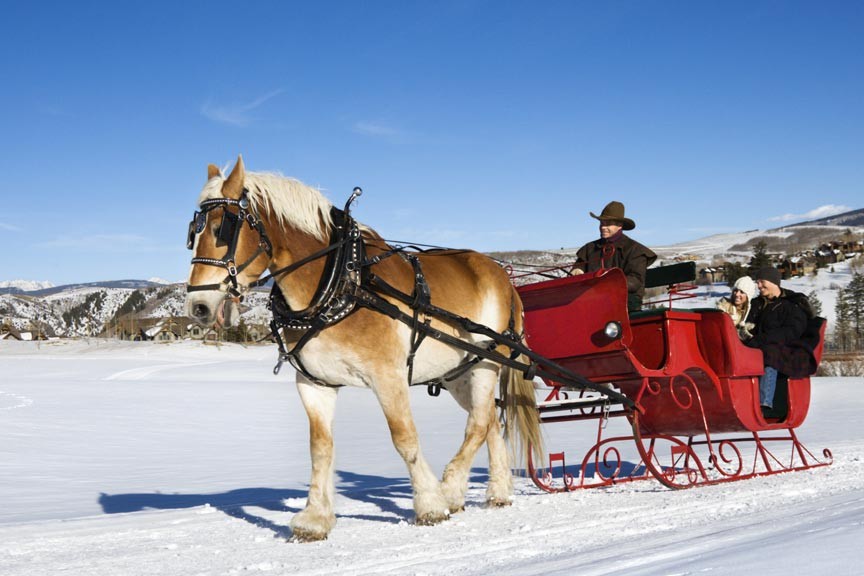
482 124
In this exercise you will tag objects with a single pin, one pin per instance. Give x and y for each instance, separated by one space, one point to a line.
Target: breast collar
340 278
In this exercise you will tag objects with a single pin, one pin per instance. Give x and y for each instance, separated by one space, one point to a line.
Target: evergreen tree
854 295
760 258
734 271
842 323
815 303
136 301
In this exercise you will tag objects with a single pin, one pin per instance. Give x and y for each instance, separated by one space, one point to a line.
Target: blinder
196 226
227 228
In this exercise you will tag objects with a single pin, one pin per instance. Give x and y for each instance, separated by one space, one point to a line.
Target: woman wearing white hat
737 305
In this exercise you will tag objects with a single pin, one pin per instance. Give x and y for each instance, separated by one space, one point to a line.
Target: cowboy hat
615 211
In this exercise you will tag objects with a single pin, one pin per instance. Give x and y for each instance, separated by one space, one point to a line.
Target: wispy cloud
9 227
235 114
102 243
815 214
377 129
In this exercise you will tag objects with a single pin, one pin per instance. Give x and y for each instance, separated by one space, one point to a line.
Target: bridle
228 234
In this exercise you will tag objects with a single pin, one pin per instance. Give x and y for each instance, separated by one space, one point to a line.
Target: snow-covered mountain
738 247
854 218
87 309
23 285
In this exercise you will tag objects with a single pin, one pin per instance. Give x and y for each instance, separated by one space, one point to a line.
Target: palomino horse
289 225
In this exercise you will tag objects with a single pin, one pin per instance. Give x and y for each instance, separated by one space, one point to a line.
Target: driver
616 250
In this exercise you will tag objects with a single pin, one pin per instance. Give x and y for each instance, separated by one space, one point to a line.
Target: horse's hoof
498 502
301 536
431 518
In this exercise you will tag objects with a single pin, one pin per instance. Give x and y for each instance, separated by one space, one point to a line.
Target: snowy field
139 458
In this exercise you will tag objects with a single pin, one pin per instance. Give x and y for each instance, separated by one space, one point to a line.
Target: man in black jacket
781 317
616 250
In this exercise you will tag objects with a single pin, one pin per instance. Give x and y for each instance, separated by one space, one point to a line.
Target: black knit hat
770 274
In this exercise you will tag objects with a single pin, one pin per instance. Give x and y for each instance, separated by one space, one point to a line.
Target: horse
266 221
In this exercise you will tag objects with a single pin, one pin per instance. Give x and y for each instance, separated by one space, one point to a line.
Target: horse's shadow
384 493
232 503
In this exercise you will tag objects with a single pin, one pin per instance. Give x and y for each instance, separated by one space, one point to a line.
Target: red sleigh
695 386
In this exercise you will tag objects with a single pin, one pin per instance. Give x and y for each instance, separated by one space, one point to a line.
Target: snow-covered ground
142 458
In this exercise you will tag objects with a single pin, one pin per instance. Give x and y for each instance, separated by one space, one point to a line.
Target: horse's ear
233 186
213 171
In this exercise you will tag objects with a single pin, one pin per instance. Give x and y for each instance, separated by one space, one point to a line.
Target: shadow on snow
382 492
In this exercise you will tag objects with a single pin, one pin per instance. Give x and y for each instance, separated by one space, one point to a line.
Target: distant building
173 328
713 274
796 266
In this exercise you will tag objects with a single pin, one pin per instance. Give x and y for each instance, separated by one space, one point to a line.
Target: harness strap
539 366
293 357
233 271
291 267
422 298
435 385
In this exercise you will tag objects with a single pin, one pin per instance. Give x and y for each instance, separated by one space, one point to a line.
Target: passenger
781 318
615 250
737 305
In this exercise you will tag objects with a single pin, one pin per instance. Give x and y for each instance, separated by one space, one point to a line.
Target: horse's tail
521 418
518 400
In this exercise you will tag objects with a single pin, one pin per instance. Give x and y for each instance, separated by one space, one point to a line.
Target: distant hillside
855 218
128 284
785 239
86 309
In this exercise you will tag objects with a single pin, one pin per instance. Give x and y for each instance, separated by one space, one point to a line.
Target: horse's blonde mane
288 200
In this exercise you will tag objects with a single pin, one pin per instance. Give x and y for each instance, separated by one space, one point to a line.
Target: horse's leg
430 507
477 396
316 520
499 492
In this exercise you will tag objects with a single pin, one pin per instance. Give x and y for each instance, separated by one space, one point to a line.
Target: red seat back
722 348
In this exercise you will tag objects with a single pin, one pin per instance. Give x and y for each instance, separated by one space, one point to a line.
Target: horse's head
230 246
